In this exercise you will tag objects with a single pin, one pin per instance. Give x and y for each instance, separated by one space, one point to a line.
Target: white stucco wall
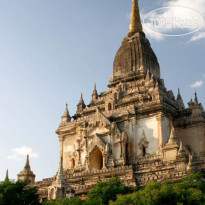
69 146
135 129
194 137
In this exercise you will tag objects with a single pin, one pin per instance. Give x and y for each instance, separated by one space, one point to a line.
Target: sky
52 50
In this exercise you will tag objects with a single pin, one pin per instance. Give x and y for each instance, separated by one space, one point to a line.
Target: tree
18 193
190 191
72 201
103 192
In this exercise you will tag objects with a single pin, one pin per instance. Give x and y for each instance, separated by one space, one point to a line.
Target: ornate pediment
99 118
143 142
97 141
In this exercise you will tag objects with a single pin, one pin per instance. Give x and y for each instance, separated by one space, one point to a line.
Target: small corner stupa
60 187
26 174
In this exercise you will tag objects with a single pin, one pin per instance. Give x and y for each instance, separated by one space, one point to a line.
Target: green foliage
103 192
18 193
191 191
72 201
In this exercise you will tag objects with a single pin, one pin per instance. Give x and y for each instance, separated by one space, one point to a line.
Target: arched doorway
96 160
52 192
72 164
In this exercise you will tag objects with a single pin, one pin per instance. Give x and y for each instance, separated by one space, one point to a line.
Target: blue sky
52 50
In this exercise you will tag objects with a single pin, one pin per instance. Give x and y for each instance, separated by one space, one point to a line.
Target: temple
26 174
137 130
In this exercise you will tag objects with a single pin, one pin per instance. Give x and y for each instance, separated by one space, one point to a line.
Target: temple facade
137 130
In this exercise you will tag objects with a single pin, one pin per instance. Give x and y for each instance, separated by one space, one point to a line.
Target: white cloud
14 157
198 36
197 84
148 32
198 6
152 34
19 152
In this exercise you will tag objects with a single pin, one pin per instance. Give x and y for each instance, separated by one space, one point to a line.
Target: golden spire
135 25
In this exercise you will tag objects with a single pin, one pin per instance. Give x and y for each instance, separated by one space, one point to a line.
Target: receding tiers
135 57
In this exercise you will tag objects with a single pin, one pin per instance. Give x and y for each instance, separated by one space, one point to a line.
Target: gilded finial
135 25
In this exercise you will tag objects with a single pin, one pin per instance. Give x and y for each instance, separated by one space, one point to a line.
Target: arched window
72 164
143 151
109 107
143 145
115 96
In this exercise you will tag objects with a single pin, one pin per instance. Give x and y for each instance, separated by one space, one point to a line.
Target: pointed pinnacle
196 98
7 175
172 134
179 95
27 165
148 73
136 25
61 164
